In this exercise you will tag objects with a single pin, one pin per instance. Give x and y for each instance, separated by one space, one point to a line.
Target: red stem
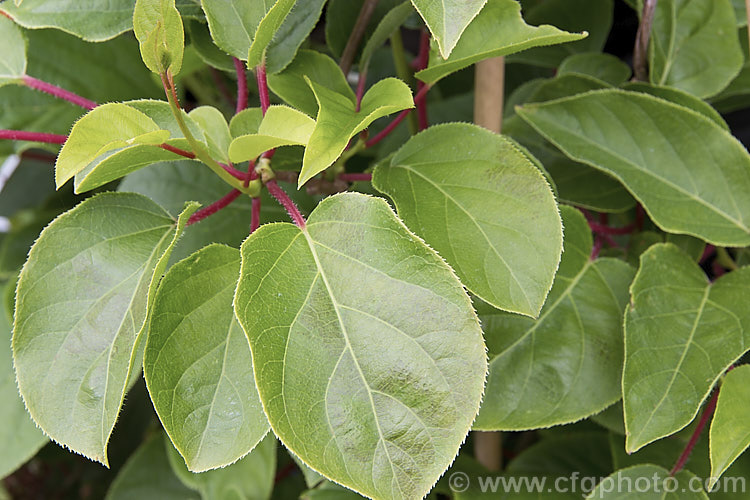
239 67
401 116
708 411
22 135
214 207
422 60
177 151
260 77
255 215
640 216
58 92
286 202
355 177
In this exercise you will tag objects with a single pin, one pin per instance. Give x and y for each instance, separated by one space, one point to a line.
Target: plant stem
239 67
255 215
177 151
21 135
391 126
356 177
422 61
286 202
358 31
214 207
403 71
708 411
640 63
58 92
260 77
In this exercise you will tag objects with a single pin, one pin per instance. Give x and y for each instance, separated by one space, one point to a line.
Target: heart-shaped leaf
480 202
197 364
368 355
681 334
566 365
82 302
730 428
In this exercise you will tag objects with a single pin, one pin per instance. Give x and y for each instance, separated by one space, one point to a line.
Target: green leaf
267 29
158 27
374 386
448 20
291 86
201 41
604 67
281 126
694 46
82 301
292 33
563 454
20 436
496 222
105 128
659 151
251 478
391 22
498 30
566 365
13 58
197 363
93 20
147 475
233 23
338 120
681 334
730 433
740 12
215 130
246 122
649 482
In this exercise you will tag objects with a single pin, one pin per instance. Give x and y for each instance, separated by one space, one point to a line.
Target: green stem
197 147
404 73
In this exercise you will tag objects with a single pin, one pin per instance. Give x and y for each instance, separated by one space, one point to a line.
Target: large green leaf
694 46
681 333
672 159
339 120
19 436
13 58
368 354
730 429
479 201
281 126
566 365
158 27
147 475
197 363
649 482
497 31
82 301
448 20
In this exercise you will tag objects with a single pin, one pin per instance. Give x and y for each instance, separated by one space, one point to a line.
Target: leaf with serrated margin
694 46
681 334
267 29
498 30
448 19
292 33
368 355
566 365
233 23
281 126
13 57
649 482
82 301
479 201
197 363
730 428
158 27
672 159
338 121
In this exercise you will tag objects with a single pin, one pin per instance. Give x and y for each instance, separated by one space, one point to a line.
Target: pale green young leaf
681 334
338 120
364 345
493 216
148 475
291 86
81 304
215 130
448 20
281 126
649 482
730 428
13 57
20 437
158 27
694 46
566 365
267 29
250 478
672 159
194 342
498 30
391 22
604 67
